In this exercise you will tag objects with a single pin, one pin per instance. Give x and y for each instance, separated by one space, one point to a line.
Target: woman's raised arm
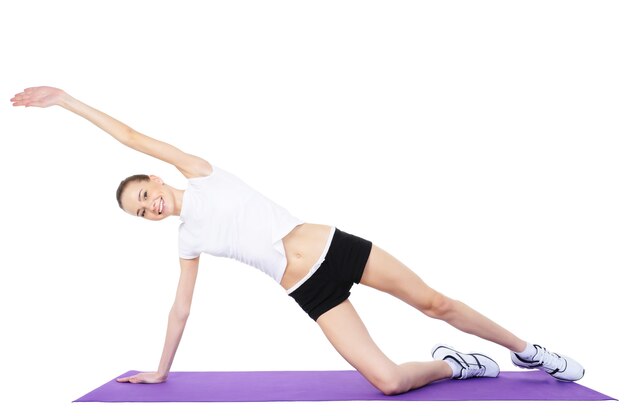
189 165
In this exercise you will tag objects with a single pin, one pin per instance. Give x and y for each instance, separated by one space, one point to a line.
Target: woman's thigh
386 273
346 332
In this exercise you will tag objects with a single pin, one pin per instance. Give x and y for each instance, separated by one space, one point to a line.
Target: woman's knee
439 306
389 383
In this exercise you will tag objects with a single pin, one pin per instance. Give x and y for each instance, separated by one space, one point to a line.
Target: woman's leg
384 272
347 333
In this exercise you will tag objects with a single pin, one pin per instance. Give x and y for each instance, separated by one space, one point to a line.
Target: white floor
481 143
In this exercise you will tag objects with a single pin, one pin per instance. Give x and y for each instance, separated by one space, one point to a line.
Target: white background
481 143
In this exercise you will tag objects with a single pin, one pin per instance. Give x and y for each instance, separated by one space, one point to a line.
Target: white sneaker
468 365
558 366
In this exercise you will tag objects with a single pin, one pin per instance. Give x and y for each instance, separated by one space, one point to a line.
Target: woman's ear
156 179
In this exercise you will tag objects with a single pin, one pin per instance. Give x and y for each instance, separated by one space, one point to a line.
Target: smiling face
150 199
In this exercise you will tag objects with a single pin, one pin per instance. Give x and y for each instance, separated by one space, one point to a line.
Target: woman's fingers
25 103
19 102
142 378
129 379
22 98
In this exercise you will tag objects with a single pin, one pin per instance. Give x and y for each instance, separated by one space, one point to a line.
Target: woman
316 265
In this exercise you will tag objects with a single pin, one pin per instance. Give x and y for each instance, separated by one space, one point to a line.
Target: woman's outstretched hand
38 97
143 378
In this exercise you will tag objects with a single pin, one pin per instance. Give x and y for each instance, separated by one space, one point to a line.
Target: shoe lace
548 359
473 370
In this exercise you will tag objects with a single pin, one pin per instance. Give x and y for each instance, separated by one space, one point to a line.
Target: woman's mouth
161 205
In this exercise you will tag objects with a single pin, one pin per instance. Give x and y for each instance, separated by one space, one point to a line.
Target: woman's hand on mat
143 378
38 97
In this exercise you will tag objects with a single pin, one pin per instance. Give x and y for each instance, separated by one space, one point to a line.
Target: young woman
316 264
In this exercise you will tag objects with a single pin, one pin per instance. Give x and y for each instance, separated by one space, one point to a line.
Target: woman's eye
143 213
145 195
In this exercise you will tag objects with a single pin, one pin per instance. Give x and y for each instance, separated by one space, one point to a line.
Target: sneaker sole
538 367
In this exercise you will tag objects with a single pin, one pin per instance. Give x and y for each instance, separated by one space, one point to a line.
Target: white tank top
223 216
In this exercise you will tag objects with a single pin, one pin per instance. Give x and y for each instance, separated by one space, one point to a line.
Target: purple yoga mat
270 386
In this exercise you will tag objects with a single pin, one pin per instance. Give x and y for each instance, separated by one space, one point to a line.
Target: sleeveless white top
223 216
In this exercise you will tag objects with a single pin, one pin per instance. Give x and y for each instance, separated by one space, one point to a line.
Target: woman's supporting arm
189 165
175 324
175 328
179 313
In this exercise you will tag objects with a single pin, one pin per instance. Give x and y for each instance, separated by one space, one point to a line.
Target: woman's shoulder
205 174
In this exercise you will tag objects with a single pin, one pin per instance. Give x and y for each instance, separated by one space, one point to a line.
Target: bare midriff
303 247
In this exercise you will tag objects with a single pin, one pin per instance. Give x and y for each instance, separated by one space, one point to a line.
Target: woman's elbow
130 137
180 312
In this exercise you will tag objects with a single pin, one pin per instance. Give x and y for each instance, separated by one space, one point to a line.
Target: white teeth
161 207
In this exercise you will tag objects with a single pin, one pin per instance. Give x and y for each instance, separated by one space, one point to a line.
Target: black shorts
330 284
